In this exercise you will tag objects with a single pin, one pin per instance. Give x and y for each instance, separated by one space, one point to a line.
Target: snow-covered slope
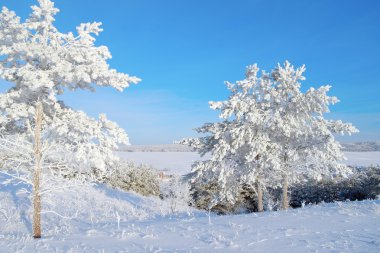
145 225
99 219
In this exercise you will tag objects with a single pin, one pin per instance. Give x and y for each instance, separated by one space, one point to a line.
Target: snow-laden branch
16 177
60 215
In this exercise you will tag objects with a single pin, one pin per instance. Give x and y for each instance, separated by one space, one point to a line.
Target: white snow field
180 162
105 220
362 158
100 219
170 162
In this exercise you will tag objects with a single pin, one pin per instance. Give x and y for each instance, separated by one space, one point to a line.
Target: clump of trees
271 135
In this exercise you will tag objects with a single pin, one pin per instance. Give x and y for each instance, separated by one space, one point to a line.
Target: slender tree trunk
37 173
260 206
285 200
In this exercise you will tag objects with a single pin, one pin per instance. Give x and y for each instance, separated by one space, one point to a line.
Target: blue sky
185 50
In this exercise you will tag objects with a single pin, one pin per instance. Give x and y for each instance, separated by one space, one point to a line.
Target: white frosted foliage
269 130
41 63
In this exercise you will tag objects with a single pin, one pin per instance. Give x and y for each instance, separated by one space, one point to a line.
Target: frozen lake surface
363 158
180 162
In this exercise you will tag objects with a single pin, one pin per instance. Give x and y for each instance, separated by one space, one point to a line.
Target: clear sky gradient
185 50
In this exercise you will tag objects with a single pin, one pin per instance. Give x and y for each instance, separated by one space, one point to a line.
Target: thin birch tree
37 173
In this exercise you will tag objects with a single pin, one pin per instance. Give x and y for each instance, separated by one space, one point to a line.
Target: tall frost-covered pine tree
242 152
41 63
308 147
272 134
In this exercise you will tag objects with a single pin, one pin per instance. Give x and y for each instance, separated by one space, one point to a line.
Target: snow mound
76 208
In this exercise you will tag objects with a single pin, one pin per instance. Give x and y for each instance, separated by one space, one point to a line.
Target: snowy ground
146 225
180 162
99 219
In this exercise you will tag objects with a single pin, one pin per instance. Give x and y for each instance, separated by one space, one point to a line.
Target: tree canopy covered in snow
271 133
41 63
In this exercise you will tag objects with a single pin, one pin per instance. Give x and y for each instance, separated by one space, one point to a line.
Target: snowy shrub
313 193
363 184
138 178
176 194
203 194
271 203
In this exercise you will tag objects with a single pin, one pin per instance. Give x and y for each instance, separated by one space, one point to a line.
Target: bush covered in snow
141 179
175 193
204 193
363 184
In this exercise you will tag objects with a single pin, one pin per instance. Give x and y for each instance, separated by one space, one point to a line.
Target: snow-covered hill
105 220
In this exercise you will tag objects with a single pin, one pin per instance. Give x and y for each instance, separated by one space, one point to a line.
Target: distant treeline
350 147
361 146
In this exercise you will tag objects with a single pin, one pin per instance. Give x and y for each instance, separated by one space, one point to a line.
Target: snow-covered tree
39 163
42 63
271 133
242 151
308 146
